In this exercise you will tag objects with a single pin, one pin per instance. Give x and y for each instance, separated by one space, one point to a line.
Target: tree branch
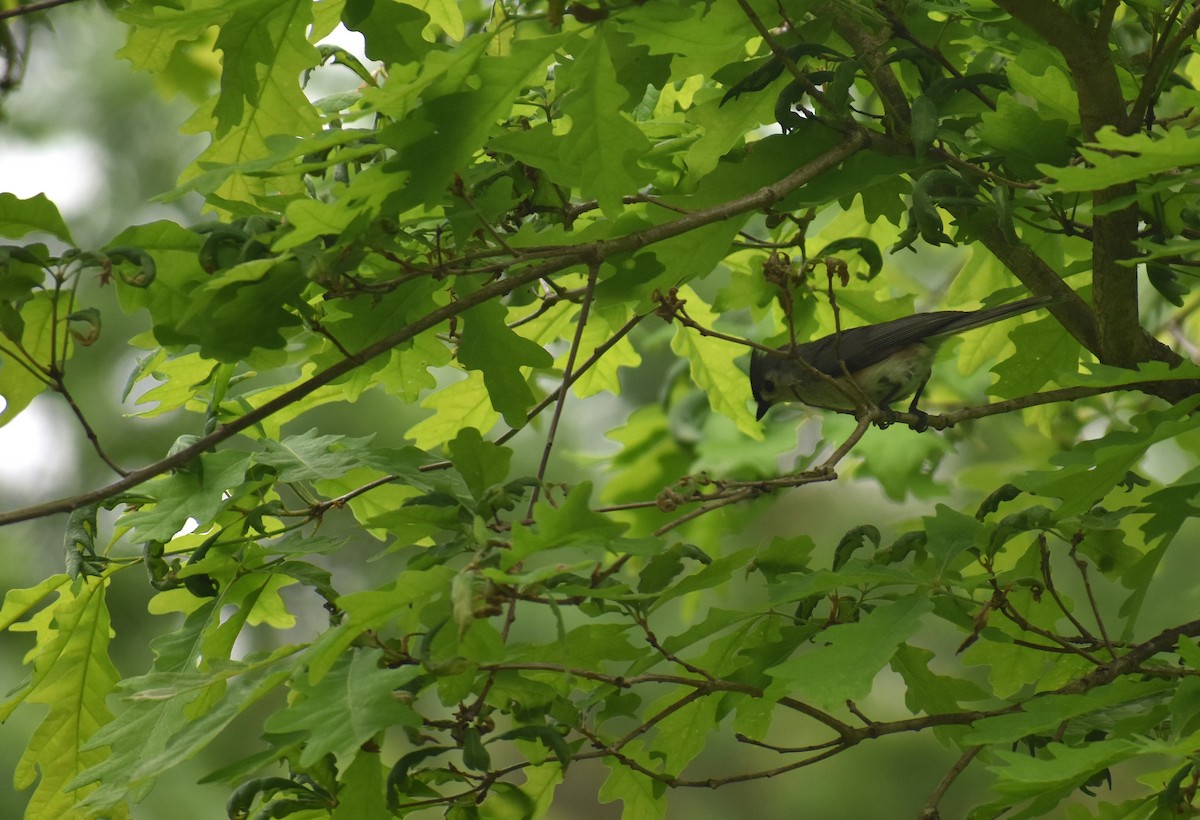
592 253
1120 339
930 811
31 8
1162 63
568 371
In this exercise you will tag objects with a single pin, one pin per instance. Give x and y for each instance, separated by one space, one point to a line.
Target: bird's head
765 382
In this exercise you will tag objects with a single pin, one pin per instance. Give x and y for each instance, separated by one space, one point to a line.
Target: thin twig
532 413
652 639
61 388
902 32
1161 62
854 710
850 388
785 750
30 8
597 354
1006 608
20 357
860 429
1081 565
662 714
930 812
800 77
580 324
704 509
319 328
1048 580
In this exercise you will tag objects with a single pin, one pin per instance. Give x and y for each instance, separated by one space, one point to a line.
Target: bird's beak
763 407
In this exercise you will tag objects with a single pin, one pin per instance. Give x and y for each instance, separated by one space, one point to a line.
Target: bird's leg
922 423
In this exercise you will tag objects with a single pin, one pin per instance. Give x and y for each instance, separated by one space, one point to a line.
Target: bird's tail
985 316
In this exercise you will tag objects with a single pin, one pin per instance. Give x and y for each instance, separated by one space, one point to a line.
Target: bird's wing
861 347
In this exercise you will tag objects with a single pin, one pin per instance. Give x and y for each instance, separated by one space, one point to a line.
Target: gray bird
888 361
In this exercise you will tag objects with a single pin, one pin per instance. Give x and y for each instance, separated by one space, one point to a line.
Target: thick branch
871 48
1087 54
1120 338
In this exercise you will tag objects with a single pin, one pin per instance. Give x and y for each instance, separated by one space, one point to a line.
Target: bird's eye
769 385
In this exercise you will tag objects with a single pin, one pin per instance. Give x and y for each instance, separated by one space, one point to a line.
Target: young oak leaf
491 347
310 456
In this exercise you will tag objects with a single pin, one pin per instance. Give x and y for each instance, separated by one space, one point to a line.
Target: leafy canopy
523 212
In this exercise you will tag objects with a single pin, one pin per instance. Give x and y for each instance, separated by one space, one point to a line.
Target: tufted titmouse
888 361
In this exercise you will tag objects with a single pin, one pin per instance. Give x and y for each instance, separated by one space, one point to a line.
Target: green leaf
1167 283
601 138
866 248
850 656
854 540
243 309
952 536
712 367
1012 668
463 97
475 754
1045 353
146 726
569 522
1045 714
488 345
640 798
198 494
903 465
723 125
73 676
697 37
480 463
855 574
21 379
1059 767
924 125
711 574
255 681
19 603
392 32
461 406
362 789
265 48
310 456
685 732
1116 158
1024 136
1092 469
347 707
590 646
37 213
371 609
546 735
928 692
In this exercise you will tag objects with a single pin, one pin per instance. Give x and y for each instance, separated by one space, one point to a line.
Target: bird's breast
890 379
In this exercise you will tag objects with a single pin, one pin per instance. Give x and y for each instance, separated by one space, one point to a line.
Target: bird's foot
922 422
885 417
